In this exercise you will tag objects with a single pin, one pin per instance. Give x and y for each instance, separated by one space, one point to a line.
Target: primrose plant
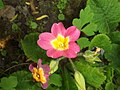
60 43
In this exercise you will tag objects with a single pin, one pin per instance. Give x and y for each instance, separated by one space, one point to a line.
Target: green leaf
84 22
85 17
61 16
90 29
33 25
8 83
56 80
106 14
25 81
80 81
115 37
101 41
93 76
53 66
1 4
68 82
114 56
109 86
31 49
83 42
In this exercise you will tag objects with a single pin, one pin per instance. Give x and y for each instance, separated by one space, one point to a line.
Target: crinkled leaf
101 41
109 86
83 42
115 37
106 14
114 56
56 80
93 76
8 83
68 82
31 49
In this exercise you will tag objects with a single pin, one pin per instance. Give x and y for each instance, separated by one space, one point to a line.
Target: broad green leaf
25 81
101 41
53 66
31 49
80 81
109 86
83 42
106 14
56 80
93 76
115 37
85 17
84 22
1 4
8 83
68 82
114 56
90 29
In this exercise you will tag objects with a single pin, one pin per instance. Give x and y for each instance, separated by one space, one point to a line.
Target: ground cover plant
59 45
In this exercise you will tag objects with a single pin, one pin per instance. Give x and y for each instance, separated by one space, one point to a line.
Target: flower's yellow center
38 75
60 43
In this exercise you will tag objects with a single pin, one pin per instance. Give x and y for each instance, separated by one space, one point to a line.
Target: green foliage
68 82
1 4
91 56
106 14
85 20
53 66
93 76
101 41
61 16
109 86
114 56
31 49
80 81
83 42
8 83
61 6
33 25
56 80
25 81
115 37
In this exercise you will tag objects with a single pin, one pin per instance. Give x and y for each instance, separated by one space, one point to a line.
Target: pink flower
60 42
40 73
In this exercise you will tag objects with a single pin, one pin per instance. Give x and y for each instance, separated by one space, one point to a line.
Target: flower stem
72 64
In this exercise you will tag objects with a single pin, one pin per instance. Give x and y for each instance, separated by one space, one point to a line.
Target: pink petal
73 33
46 68
73 46
31 67
44 86
44 44
70 53
58 29
46 36
44 40
39 64
54 53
